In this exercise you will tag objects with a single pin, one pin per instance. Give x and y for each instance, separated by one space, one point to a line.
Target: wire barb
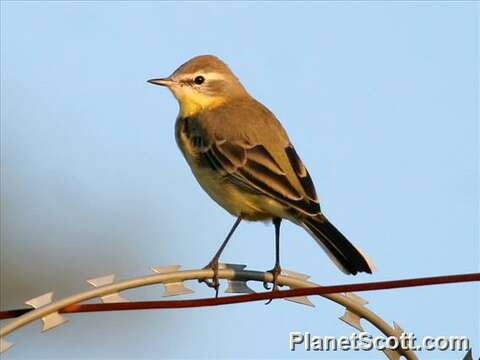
172 288
103 281
392 354
350 317
51 320
303 300
236 286
5 345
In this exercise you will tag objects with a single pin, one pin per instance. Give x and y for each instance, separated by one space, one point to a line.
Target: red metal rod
320 290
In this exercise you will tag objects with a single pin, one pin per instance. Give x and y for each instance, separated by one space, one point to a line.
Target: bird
243 158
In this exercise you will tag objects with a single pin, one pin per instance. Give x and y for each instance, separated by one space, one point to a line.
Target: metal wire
173 279
319 290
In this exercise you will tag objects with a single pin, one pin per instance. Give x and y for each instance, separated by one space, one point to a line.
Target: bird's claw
275 273
214 284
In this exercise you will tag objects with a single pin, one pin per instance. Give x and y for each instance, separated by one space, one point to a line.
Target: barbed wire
51 312
281 294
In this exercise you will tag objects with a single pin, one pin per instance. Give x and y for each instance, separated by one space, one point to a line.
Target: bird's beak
162 82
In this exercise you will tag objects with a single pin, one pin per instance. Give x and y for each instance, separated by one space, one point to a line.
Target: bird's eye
199 80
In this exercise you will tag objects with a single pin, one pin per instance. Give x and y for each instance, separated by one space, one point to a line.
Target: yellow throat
193 102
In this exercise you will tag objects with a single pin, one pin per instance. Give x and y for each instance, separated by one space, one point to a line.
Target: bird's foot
214 283
276 271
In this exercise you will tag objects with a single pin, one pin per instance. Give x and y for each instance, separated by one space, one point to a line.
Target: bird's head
203 82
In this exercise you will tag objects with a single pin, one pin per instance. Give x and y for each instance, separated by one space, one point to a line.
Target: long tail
344 254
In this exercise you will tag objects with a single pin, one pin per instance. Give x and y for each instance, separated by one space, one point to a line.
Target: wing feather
261 162
257 171
302 173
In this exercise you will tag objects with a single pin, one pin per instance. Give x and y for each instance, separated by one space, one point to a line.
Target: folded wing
255 169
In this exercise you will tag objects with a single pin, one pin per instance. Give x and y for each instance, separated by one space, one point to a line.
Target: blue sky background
380 100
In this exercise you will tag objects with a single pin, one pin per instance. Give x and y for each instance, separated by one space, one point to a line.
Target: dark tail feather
346 256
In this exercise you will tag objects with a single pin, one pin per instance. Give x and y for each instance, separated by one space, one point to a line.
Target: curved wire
300 287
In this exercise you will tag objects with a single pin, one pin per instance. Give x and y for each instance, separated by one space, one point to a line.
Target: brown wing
255 169
256 156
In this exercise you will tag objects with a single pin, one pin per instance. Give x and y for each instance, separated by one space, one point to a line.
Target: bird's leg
276 269
213 264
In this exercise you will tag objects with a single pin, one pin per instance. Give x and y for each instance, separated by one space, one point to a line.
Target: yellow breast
236 200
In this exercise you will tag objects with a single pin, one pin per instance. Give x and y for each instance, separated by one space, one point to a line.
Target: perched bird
242 157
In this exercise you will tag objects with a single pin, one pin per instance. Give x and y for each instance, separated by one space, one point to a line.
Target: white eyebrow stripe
213 76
